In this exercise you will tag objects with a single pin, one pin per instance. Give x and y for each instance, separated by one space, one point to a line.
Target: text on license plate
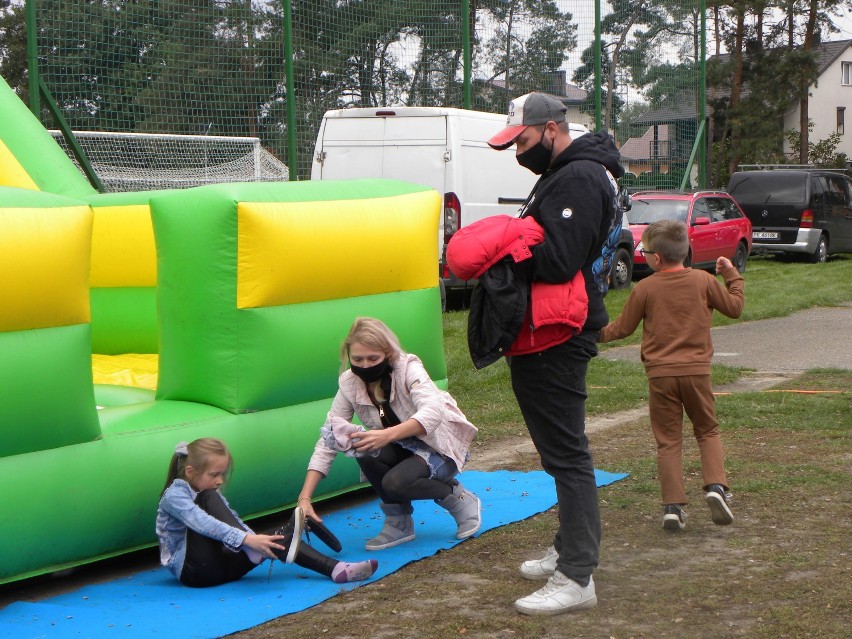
764 235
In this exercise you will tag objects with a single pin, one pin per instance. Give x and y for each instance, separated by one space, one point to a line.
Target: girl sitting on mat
203 542
415 442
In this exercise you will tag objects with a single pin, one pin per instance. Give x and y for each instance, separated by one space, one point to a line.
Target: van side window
818 186
837 192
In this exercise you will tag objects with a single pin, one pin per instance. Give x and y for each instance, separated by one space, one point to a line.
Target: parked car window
837 193
732 211
700 210
819 196
646 211
717 209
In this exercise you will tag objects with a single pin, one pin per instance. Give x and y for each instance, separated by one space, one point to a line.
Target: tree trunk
736 87
806 82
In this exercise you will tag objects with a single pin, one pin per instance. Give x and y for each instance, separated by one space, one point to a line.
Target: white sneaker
540 568
559 595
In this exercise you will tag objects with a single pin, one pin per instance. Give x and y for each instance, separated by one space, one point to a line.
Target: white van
438 147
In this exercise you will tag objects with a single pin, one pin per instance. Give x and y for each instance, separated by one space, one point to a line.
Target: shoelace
550 587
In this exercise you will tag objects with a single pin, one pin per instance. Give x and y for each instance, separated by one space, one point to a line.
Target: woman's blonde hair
199 454
374 334
669 239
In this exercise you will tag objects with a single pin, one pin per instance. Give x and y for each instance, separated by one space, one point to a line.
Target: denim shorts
441 468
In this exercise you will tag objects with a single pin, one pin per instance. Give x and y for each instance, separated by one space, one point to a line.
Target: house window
846 73
841 112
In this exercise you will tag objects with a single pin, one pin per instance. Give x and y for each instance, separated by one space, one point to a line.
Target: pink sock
345 572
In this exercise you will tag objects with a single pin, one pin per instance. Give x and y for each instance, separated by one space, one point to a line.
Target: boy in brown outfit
676 305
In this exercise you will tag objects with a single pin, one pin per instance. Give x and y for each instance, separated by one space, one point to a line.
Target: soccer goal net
147 161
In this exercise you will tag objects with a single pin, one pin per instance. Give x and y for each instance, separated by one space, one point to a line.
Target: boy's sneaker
718 501
559 595
292 532
540 568
674 518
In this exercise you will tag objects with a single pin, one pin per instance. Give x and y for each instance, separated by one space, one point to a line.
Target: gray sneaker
559 595
540 568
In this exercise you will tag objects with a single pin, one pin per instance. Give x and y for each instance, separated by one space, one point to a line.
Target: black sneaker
673 517
292 532
718 501
325 535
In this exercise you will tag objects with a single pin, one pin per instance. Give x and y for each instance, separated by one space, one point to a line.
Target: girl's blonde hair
199 454
374 334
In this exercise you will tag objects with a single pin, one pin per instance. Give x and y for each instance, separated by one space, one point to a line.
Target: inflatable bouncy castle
130 322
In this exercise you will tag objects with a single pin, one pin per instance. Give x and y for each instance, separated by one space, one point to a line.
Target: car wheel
740 257
622 269
820 255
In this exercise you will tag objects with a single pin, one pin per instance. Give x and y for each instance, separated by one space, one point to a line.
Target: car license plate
764 235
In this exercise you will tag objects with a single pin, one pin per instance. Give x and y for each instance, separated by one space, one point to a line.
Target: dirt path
507 451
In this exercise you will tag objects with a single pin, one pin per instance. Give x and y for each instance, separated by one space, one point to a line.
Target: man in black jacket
576 202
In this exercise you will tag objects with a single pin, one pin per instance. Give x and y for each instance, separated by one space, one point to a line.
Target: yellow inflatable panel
129 369
123 252
45 267
295 252
12 173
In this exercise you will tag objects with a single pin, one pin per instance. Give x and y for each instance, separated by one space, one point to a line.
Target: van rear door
773 201
367 145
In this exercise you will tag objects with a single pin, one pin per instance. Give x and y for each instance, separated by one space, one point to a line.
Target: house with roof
829 97
672 127
649 153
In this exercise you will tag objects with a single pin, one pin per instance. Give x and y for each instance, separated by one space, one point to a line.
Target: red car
717 226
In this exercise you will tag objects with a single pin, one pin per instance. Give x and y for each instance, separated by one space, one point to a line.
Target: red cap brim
506 137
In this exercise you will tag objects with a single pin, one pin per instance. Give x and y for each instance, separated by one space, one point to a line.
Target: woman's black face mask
371 374
536 158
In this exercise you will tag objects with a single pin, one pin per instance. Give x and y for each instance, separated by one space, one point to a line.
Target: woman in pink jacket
413 442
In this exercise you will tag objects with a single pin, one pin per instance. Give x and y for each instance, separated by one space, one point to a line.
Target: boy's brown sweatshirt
676 308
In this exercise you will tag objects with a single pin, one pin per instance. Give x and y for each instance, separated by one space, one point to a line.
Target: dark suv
796 210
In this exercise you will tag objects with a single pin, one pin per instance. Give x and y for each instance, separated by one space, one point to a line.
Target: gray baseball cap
528 110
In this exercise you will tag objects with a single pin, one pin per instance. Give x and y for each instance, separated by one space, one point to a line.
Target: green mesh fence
222 69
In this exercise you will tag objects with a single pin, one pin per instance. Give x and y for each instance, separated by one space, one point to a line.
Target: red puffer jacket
555 313
477 247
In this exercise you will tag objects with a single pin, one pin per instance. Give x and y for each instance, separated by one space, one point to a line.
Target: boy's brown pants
668 398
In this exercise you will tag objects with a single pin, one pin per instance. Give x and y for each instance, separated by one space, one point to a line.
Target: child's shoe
674 518
292 532
398 527
718 501
345 572
465 508
325 535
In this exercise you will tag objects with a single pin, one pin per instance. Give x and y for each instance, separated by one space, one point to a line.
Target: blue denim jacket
177 512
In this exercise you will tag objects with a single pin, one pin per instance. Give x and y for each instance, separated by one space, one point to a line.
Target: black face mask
536 158
371 374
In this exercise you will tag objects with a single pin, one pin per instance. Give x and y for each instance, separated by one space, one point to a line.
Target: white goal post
150 161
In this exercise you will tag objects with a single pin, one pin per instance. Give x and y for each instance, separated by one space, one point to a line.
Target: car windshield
649 210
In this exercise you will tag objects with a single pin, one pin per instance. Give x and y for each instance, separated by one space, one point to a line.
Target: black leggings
209 562
400 476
